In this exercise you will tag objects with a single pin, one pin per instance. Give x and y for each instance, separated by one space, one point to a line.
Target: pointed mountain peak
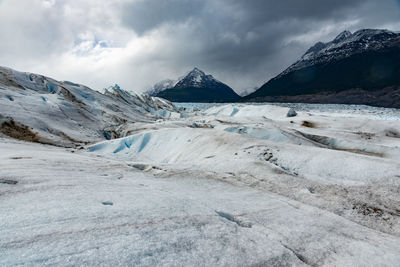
197 86
196 72
196 78
195 69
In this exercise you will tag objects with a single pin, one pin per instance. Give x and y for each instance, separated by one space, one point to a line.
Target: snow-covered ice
227 185
65 113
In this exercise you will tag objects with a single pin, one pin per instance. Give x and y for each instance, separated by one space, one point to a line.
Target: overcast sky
137 43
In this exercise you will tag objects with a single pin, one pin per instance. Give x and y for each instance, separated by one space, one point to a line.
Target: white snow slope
233 185
65 113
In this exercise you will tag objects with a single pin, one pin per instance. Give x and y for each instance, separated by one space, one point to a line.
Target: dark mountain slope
368 63
196 86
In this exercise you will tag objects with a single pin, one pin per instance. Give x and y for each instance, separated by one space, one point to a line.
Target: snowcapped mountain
196 78
354 68
345 45
37 108
161 86
197 86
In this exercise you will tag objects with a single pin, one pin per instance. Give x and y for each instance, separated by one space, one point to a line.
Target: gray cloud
144 15
138 42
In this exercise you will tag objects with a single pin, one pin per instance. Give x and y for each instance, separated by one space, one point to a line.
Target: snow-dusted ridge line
197 86
344 45
193 78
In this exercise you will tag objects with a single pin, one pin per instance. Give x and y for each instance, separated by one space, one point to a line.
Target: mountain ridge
344 45
197 86
366 60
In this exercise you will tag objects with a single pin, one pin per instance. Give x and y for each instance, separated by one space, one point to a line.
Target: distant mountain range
354 68
196 86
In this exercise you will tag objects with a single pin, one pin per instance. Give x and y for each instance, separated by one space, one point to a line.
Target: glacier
186 184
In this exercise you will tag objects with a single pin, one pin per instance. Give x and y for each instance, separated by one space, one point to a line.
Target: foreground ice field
232 185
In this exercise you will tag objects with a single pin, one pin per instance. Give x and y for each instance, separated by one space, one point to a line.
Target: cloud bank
137 43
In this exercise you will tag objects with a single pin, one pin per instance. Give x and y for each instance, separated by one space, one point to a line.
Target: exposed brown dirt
18 131
308 124
7 79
